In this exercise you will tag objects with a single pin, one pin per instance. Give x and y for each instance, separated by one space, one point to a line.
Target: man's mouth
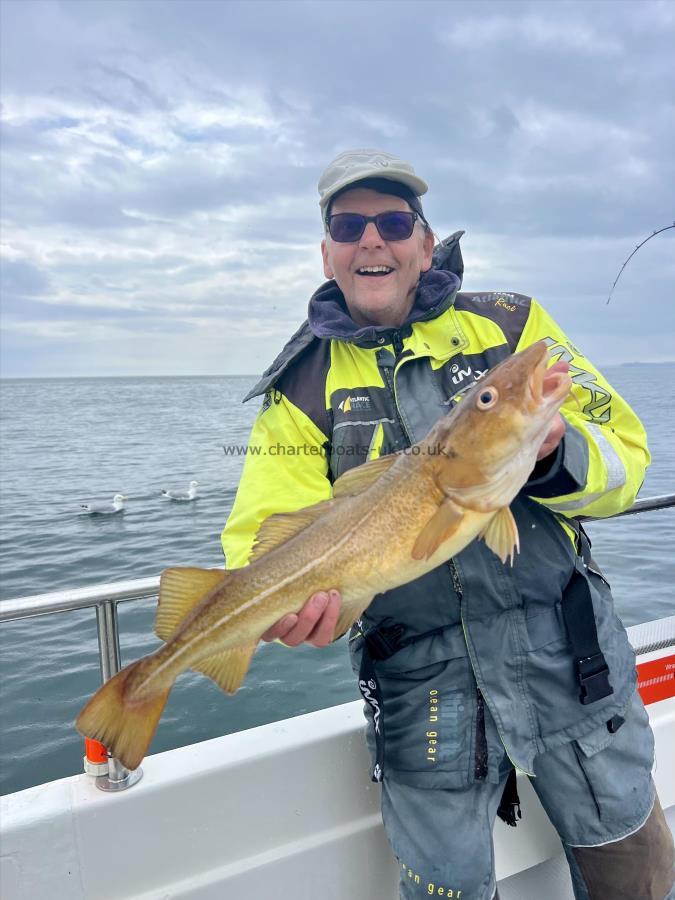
374 271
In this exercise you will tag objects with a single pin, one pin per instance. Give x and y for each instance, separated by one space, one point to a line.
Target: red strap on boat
656 679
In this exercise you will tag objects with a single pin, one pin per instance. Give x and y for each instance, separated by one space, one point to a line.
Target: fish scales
287 575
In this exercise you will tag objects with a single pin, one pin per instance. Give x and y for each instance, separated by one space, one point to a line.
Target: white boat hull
284 810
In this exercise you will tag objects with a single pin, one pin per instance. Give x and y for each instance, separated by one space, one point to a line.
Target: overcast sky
160 161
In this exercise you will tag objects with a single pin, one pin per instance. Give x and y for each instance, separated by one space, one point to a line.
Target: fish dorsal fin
180 590
501 534
281 527
228 668
362 477
439 528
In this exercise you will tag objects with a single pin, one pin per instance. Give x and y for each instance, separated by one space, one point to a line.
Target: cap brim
417 185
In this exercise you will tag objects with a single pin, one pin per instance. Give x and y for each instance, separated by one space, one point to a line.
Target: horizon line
637 362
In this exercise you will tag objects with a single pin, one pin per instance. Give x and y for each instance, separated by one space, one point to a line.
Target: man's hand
314 624
557 429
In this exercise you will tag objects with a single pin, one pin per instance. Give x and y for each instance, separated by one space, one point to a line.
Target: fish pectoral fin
281 527
362 477
442 525
501 535
180 590
228 668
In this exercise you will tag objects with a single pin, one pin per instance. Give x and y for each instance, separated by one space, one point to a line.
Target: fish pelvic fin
180 590
281 527
360 478
441 526
349 615
125 727
228 669
501 535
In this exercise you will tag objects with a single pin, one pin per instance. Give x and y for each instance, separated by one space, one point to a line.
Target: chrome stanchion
118 778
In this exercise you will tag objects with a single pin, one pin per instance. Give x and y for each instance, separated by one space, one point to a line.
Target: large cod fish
390 520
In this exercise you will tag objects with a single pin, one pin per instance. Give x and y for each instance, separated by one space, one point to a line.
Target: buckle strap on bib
577 609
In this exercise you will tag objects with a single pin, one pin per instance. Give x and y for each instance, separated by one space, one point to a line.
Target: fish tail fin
124 726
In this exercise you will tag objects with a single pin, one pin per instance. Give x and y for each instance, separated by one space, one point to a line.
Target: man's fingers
315 623
280 628
559 366
308 617
553 438
324 631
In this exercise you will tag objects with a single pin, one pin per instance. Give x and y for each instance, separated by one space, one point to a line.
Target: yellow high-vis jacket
490 640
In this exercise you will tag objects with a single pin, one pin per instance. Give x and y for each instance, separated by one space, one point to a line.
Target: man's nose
371 237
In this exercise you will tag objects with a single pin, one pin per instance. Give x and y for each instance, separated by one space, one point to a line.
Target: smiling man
476 667
378 278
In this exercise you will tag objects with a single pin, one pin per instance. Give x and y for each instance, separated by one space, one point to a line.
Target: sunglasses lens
395 226
346 227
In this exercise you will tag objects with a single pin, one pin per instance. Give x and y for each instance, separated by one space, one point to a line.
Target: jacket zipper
388 374
397 343
481 751
480 754
457 585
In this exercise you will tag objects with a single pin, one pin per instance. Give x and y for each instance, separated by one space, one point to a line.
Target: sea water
67 442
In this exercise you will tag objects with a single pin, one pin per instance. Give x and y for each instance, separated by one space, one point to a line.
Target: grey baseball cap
358 165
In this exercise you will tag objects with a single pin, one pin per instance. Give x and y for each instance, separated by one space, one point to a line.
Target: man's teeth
366 270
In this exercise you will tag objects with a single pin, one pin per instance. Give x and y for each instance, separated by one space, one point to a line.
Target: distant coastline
6 378
113 377
666 362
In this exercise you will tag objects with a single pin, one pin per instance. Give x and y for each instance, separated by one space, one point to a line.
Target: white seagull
105 509
190 494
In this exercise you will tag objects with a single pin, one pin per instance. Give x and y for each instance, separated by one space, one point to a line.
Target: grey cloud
159 166
20 279
124 90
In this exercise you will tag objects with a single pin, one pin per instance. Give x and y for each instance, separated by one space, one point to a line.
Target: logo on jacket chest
354 403
460 372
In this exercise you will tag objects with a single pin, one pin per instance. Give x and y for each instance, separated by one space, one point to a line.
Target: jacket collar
329 317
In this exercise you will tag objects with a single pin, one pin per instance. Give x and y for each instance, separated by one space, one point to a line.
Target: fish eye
487 398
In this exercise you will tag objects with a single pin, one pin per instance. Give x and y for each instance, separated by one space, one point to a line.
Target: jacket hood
329 316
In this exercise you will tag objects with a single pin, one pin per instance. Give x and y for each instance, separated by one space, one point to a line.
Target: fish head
487 445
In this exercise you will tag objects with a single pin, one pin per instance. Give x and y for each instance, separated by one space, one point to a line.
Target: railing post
119 778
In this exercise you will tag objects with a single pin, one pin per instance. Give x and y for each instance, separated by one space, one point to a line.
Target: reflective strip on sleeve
616 474
616 471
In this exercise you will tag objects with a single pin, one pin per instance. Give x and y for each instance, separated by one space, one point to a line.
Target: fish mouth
558 384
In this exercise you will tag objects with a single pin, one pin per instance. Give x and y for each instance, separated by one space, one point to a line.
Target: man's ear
327 270
428 249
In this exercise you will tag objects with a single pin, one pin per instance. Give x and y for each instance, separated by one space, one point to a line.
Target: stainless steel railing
649 504
105 597
78 598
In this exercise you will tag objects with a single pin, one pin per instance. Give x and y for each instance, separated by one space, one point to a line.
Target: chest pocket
354 442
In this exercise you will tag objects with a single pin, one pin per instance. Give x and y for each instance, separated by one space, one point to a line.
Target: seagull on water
190 494
105 509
